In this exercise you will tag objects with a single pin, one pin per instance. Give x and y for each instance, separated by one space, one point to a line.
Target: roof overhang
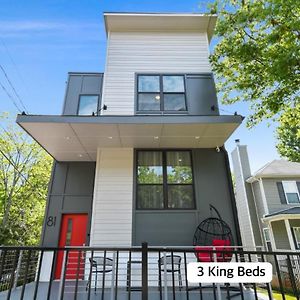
77 138
281 217
160 22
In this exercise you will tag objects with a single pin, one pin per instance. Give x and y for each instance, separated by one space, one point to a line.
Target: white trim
296 240
263 196
280 217
273 243
245 195
289 234
102 112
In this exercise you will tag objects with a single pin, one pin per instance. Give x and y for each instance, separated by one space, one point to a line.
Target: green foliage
288 133
23 192
257 59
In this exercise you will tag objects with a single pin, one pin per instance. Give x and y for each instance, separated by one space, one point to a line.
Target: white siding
112 204
132 52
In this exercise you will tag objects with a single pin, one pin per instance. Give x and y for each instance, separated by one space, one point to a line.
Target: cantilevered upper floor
157 91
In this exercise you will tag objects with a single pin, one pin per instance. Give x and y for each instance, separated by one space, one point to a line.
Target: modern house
139 149
268 202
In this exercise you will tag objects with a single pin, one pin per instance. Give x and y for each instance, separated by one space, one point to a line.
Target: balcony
133 273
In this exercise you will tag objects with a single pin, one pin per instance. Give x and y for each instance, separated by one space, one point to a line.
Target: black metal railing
135 273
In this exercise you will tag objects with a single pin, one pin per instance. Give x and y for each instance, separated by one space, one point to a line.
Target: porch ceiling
69 138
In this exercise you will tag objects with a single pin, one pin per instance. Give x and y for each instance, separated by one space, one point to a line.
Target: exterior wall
247 215
70 191
272 195
161 52
176 228
280 235
112 205
81 84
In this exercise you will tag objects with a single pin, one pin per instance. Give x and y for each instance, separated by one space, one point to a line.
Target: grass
277 295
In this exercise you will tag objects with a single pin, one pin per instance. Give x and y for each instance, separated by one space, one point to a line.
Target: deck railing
134 273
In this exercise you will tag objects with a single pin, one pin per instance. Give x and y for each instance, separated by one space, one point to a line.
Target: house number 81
51 221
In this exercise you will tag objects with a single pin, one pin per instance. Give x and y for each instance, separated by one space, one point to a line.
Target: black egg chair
213 233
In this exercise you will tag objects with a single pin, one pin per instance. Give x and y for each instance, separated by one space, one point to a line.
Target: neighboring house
138 149
268 202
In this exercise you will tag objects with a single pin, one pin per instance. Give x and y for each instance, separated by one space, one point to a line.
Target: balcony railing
134 273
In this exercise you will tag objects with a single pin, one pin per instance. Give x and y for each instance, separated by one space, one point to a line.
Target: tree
24 176
257 58
288 133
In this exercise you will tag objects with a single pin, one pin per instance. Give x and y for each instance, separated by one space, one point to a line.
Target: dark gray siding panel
81 84
71 191
201 95
177 227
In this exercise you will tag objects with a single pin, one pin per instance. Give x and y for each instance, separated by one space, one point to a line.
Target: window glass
291 191
180 196
150 196
173 84
150 167
164 180
88 105
148 83
174 102
179 169
69 232
149 102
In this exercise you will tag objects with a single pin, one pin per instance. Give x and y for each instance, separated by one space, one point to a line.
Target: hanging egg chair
213 234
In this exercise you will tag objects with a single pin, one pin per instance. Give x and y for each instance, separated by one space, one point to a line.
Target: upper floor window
164 180
158 93
291 192
88 104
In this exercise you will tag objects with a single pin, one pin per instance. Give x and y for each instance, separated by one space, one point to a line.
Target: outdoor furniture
213 234
100 265
129 269
170 264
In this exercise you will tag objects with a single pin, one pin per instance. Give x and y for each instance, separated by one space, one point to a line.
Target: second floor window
88 104
156 93
291 192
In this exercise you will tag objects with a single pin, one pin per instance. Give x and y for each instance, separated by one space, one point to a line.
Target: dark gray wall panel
201 95
81 84
70 191
177 228
155 231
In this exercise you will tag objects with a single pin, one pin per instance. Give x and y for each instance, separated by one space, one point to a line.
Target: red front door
72 233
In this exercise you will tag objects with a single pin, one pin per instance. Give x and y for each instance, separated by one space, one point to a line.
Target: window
88 104
291 192
267 238
161 93
296 232
164 180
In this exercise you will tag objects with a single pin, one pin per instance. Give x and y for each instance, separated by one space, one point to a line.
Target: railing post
145 271
219 293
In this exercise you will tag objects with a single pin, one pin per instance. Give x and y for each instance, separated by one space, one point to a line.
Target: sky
41 41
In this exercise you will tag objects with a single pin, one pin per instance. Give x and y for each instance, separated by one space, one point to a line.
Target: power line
15 65
10 97
13 88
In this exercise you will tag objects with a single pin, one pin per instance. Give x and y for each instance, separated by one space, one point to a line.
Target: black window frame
161 94
165 180
78 104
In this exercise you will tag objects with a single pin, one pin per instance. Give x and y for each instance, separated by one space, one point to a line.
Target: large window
164 180
88 104
161 93
291 192
296 231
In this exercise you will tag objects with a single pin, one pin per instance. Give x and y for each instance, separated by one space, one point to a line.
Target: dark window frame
165 183
161 94
78 104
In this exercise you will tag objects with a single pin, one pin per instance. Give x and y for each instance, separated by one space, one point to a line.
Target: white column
289 234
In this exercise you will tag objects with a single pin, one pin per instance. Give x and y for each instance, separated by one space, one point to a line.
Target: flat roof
77 138
160 22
